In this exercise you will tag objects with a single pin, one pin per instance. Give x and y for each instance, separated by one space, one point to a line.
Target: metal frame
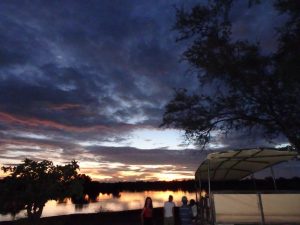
261 209
250 159
259 202
211 198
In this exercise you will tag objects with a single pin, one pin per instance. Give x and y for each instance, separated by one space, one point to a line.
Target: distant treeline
93 188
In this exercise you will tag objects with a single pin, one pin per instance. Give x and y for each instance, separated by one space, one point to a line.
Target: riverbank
130 217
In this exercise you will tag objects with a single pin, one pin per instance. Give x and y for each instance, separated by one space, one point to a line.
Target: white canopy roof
235 165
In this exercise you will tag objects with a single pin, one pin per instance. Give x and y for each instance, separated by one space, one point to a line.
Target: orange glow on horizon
2 174
173 175
120 175
120 172
136 176
140 175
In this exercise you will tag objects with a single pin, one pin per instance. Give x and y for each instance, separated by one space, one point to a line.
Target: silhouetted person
147 212
185 212
169 211
194 209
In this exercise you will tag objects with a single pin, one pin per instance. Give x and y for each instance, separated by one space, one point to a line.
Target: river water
107 202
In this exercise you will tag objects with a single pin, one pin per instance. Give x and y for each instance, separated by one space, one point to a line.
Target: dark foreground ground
131 217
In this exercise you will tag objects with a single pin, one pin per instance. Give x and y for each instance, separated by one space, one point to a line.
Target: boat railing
246 207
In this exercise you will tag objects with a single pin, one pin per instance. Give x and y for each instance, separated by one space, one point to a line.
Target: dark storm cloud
111 56
135 156
256 23
244 139
110 59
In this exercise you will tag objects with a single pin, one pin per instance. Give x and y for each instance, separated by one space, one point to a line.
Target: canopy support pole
262 216
196 188
253 180
199 205
200 186
210 209
273 177
208 177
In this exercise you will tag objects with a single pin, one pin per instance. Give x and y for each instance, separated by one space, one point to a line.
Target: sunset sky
88 80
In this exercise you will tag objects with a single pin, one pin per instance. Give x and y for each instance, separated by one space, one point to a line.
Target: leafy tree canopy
241 86
31 184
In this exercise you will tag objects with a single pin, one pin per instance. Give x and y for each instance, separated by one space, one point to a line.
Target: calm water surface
107 202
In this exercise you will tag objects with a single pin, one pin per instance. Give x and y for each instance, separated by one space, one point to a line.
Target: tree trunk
34 212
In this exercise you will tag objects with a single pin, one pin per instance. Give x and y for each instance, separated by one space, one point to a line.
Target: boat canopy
238 164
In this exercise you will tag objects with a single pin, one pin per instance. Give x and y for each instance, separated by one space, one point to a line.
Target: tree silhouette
31 184
249 86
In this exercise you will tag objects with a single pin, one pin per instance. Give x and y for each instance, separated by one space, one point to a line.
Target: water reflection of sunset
107 202
104 196
135 200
